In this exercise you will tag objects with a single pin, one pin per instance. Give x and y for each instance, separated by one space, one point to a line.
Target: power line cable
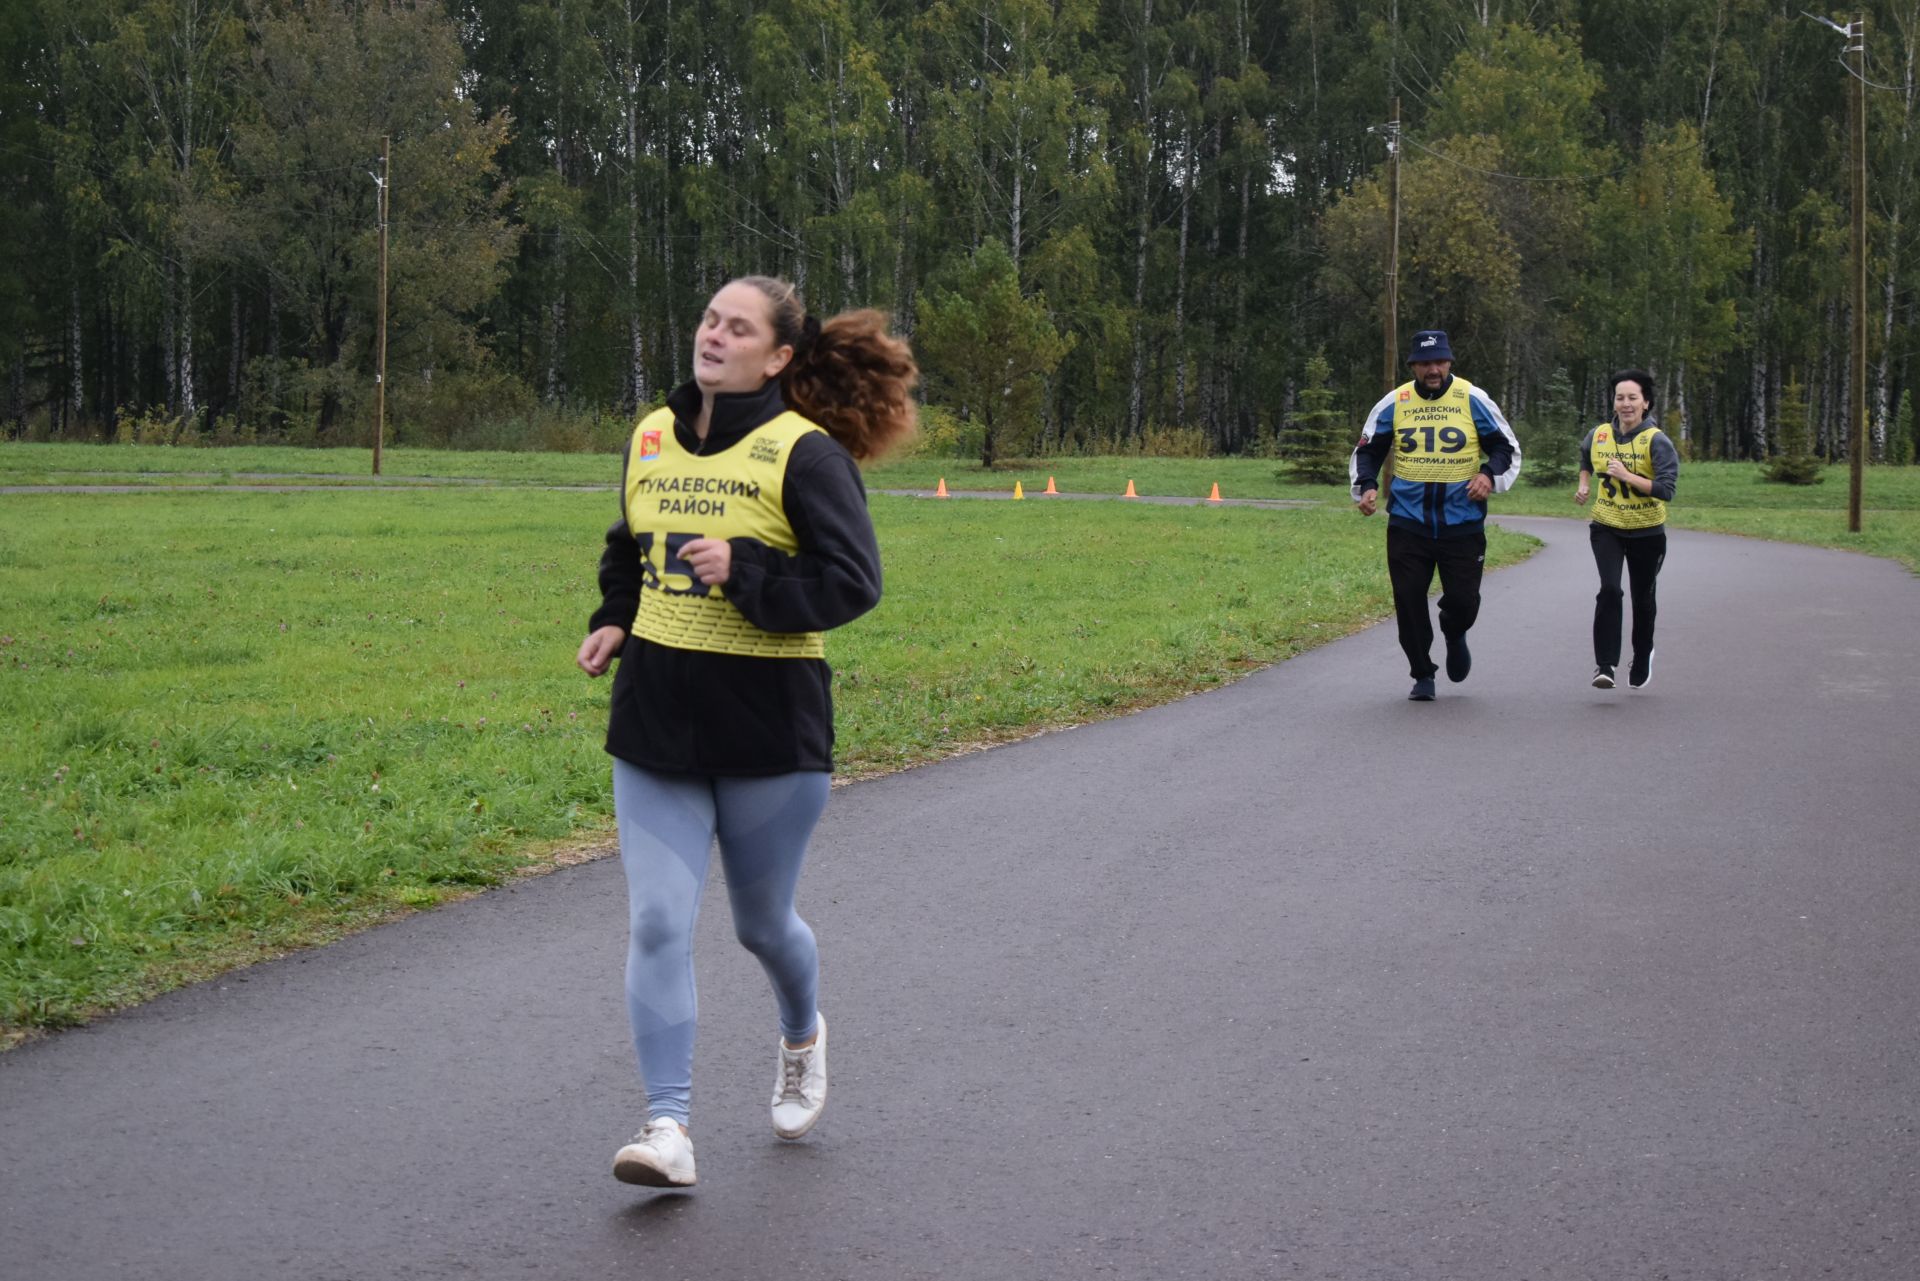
1871 84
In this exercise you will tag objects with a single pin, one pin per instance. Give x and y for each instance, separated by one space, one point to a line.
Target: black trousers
1643 555
1412 559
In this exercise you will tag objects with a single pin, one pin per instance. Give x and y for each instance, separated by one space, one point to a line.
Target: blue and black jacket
1433 508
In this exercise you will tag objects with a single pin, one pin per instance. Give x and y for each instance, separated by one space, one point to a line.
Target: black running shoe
1603 677
1422 691
1642 670
1459 659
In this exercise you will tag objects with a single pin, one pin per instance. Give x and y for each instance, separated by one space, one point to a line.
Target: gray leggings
667 827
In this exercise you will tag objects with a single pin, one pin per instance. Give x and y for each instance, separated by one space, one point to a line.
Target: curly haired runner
743 536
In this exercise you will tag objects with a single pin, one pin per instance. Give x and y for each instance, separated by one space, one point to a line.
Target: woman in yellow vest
1638 468
743 536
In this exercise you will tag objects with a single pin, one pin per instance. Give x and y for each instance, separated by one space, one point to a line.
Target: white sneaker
660 1156
800 1086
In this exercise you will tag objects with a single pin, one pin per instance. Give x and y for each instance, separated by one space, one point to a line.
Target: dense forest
1105 223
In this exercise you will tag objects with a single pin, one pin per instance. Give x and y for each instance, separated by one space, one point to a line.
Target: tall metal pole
1390 308
380 377
1857 402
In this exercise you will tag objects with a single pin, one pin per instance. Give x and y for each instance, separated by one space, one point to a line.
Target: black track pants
1411 561
1643 555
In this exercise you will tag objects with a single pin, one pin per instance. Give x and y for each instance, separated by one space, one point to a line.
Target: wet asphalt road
1293 979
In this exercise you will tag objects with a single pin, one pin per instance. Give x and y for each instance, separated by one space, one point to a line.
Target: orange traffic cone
942 491
1051 489
1017 491
1129 493
1214 497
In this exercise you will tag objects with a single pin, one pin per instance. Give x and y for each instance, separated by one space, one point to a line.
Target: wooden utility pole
1390 309
380 377
1857 400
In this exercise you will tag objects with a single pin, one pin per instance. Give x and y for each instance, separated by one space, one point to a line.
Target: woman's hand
1628 477
598 649
1580 494
711 559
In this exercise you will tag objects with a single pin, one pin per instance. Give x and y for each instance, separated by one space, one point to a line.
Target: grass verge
1730 498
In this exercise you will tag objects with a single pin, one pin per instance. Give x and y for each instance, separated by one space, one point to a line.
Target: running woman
1638 468
743 536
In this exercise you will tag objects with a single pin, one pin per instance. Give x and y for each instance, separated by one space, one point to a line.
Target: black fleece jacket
686 711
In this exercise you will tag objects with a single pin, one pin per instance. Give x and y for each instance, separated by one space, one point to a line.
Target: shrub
942 434
1174 442
469 409
228 430
1266 441
151 426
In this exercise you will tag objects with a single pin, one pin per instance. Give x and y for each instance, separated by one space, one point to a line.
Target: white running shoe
660 1156
800 1087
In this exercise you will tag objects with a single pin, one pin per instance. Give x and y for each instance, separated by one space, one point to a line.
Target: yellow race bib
674 497
1615 502
1435 440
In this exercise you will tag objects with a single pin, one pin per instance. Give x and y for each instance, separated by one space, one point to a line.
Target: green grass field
1725 497
240 722
62 464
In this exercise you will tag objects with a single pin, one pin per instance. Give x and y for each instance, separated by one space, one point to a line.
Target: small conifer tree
1796 463
1552 435
1317 443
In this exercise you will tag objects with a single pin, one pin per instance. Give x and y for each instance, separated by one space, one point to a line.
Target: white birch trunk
169 335
1713 63
1682 408
1015 218
1136 398
556 309
842 179
636 333
667 136
77 387
189 403
1761 384
189 409
1180 285
1889 288
1210 382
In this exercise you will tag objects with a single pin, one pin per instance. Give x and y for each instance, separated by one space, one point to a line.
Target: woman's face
1629 406
734 349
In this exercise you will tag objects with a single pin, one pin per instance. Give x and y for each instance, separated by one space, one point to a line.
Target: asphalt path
1291 979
